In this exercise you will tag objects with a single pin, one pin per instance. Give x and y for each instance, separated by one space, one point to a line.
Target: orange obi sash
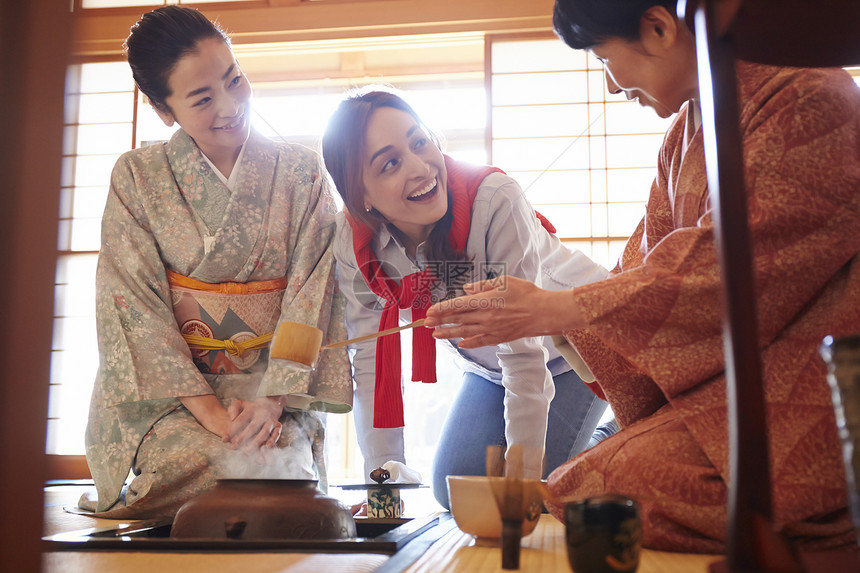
228 326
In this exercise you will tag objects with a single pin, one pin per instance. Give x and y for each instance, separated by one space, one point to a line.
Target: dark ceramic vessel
263 509
604 534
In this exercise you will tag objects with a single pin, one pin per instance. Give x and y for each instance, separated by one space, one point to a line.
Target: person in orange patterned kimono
651 332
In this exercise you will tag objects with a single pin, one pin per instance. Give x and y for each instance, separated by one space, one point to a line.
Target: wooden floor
542 551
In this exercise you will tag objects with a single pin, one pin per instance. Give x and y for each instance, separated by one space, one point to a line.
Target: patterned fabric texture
654 340
236 317
164 200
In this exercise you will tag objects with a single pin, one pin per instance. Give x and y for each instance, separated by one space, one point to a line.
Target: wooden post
33 48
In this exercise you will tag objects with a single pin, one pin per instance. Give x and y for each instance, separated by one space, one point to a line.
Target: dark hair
159 40
343 150
583 24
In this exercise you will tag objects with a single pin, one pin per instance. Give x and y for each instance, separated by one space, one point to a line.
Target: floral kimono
169 214
654 340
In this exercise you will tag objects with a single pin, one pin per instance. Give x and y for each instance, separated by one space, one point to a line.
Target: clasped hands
254 424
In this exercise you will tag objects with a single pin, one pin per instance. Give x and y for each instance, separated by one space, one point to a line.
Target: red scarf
413 292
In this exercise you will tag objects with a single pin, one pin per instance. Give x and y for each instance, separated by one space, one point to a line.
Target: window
99 126
583 158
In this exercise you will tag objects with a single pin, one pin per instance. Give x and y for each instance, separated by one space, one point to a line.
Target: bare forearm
556 312
207 409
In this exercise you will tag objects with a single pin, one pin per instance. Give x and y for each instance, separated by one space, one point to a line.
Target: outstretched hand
502 309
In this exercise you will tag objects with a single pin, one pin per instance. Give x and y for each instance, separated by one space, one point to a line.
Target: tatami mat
542 551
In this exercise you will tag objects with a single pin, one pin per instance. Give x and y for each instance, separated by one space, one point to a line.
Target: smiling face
658 70
403 173
210 99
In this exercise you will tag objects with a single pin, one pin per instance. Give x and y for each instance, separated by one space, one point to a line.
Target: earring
367 209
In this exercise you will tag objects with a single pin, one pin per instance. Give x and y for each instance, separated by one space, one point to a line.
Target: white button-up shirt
505 238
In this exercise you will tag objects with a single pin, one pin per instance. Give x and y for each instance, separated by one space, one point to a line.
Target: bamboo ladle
299 344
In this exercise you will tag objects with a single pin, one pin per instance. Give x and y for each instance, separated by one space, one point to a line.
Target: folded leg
656 462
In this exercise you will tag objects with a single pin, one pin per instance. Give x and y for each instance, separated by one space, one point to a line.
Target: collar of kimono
413 291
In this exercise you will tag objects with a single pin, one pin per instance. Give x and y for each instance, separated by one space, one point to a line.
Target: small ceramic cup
383 502
604 534
476 512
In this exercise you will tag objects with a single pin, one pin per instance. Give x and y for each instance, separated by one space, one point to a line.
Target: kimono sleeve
311 297
142 354
662 314
144 364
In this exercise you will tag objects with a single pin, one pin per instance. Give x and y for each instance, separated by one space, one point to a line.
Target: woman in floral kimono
209 241
652 332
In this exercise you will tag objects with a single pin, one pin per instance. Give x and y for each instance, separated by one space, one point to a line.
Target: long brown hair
343 150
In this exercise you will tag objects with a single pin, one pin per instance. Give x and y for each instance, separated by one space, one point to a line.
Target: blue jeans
476 420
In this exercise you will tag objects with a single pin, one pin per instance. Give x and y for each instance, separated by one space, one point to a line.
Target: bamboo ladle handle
374 335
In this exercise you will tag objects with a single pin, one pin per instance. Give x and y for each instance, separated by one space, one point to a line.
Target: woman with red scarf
416 227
